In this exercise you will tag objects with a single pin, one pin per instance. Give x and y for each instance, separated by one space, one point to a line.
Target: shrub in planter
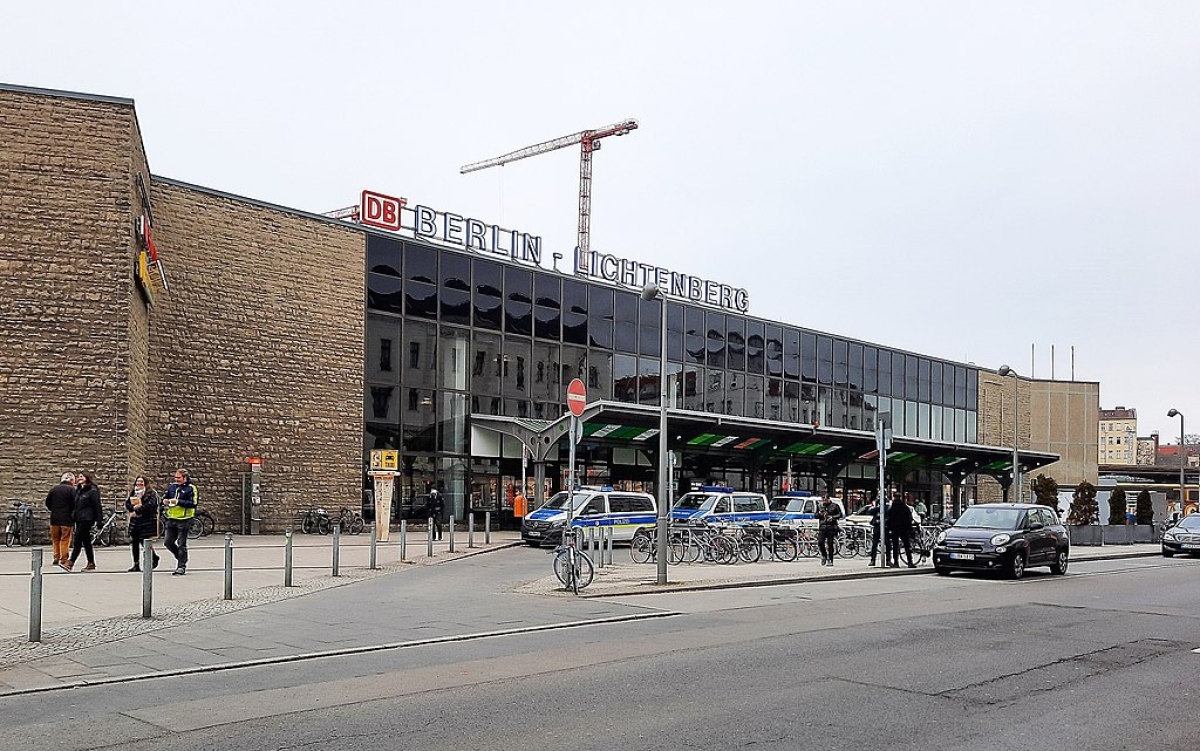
1145 508
1084 509
1116 507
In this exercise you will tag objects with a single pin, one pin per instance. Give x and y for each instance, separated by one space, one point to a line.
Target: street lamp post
1182 457
652 292
1016 460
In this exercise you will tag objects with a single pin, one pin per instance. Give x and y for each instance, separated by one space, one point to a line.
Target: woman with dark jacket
88 511
142 505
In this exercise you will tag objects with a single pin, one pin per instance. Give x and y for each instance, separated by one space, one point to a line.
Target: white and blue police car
718 504
624 511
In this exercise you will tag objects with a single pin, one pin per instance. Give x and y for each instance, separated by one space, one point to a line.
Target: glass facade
449 333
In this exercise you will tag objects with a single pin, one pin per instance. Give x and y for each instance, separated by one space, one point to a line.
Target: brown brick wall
67 247
257 351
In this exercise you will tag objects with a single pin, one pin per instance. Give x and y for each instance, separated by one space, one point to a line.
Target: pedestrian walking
180 502
88 511
899 532
437 507
142 505
61 502
873 512
828 514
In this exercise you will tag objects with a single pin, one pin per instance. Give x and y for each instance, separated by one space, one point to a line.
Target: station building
150 323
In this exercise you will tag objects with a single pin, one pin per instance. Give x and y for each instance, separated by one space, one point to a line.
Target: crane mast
589 141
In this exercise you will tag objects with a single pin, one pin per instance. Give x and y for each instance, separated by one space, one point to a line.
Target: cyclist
61 502
142 505
180 501
87 512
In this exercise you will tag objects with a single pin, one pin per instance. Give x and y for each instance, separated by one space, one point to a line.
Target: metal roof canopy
758 440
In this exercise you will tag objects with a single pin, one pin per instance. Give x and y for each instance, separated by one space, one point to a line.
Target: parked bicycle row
727 543
316 520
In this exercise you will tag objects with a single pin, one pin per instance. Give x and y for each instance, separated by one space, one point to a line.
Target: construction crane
589 140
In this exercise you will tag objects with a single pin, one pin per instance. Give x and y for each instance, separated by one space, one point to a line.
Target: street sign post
576 397
576 402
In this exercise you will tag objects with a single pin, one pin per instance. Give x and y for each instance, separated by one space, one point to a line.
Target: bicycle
315 520
351 521
571 565
106 533
19 529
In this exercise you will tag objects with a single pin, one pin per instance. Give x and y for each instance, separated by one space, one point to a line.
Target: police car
716 504
798 508
625 512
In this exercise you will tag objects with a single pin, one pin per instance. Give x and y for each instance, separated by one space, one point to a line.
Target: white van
799 508
624 511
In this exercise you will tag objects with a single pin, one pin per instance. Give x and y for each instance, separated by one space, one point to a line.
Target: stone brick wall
70 318
257 351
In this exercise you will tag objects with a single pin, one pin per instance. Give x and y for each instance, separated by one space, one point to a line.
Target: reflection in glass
600 318
383 293
625 378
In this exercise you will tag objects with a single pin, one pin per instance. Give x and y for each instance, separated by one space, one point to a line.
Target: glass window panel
964 424
910 377
546 375
381 436
625 378
808 357
855 375
486 366
824 359
911 427
756 398
948 425
419 423
383 293
420 263
870 411
383 404
574 365
923 428
650 327
518 301
456 289
452 358
693 387
774 399
841 362
923 368
791 402
547 291
870 370
755 347
735 343
694 342
735 393
383 255
575 312
854 403
625 323
648 383
935 384
453 425
948 372
935 422
972 400
420 300
773 347
546 322
383 348
420 351
600 319
715 339
791 354
514 368
488 298
714 392
809 409
897 375
885 372
600 374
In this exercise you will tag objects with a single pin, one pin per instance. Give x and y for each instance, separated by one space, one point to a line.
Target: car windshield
862 511
559 501
1191 521
983 517
695 502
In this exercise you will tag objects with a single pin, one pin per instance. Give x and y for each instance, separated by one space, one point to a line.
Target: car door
1041 540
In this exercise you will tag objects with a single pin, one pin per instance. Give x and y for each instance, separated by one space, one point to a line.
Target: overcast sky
979 181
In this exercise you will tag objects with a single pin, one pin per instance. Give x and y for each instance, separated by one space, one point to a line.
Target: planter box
1113 534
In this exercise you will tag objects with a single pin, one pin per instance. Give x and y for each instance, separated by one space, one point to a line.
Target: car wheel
1168 553
1060 563
1016 565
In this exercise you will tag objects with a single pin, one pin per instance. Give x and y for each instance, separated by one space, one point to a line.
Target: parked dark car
1004 537
1184 537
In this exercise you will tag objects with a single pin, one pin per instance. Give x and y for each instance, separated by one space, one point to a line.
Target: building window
385 354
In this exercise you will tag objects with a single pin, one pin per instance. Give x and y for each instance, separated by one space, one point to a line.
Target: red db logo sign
380 211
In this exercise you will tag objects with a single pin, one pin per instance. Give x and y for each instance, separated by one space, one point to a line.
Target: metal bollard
602 533
147 578
450 529
610 546
429 539
404 539
228 566
487 527
35 595
287 557
470 529
373 550
337 547
592 542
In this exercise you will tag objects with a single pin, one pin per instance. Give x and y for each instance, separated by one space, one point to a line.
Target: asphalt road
1099 659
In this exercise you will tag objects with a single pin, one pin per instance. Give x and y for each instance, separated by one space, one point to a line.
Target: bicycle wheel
98 536
308 524
785 549
750 549
210 524
357 525
10 533
197 528
641 548
324 525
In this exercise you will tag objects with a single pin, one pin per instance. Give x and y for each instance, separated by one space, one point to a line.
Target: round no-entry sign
576 397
